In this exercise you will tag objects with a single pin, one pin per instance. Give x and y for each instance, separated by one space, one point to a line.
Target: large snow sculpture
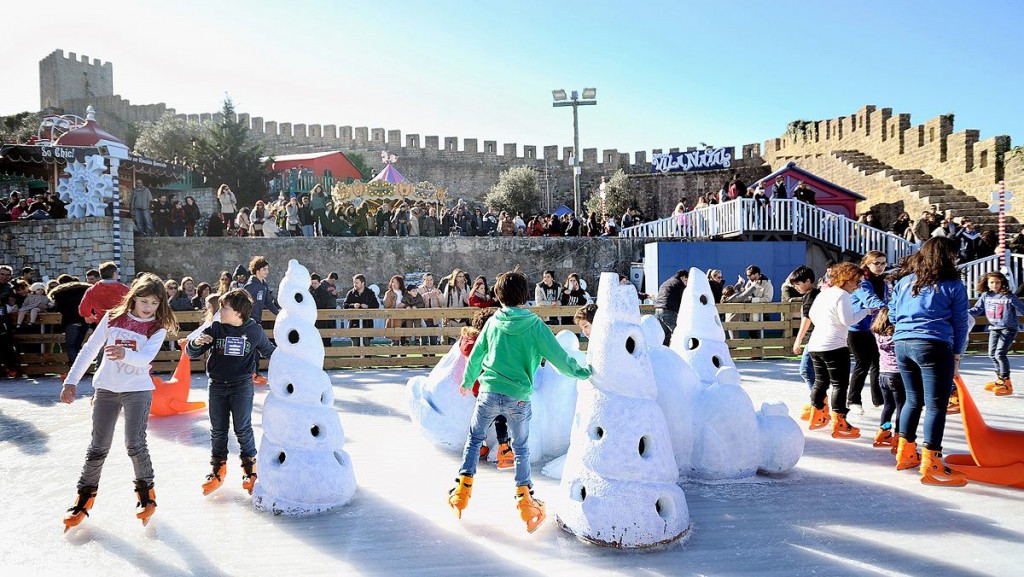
554 403
437 407
620 474
443 414
678 390
302 465
87 188
730 440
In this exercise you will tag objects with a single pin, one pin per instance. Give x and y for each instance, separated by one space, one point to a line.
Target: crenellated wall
961 159
64 78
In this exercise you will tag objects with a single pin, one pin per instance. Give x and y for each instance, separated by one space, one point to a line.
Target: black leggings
865 356
895 396
501 429
831 368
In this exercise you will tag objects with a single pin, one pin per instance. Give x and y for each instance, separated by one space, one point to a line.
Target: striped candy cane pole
1004 260
115 165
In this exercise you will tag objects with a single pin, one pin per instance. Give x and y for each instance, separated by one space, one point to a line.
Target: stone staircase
929 189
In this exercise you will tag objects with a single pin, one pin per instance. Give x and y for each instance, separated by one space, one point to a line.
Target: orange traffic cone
997 455
170 397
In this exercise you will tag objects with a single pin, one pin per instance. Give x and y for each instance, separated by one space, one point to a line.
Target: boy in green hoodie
505 358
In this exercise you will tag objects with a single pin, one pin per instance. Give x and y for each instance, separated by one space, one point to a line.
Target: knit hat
37 286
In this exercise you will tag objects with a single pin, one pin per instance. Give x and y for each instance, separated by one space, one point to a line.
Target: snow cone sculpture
678 390
437 407
554 403
730 440
619 480
303 468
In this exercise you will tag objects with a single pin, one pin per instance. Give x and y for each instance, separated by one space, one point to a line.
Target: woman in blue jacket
871 294
929 310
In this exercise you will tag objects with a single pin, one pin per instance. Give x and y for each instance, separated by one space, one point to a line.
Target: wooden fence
42 352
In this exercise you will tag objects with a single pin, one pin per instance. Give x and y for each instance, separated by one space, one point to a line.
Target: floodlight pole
575 102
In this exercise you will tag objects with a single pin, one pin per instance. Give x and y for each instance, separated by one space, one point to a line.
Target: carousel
389 186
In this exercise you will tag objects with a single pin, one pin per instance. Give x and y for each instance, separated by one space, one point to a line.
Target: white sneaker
858 409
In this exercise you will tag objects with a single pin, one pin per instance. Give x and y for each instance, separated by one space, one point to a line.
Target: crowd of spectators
25 206
316 214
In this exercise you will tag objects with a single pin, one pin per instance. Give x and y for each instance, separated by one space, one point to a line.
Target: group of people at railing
316 214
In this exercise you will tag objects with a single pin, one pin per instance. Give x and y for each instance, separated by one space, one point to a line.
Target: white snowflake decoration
87 189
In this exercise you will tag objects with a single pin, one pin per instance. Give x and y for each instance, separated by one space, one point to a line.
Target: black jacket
324 297
366 298
670 293
66 298
236 351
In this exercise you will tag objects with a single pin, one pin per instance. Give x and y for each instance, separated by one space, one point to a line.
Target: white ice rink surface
844 510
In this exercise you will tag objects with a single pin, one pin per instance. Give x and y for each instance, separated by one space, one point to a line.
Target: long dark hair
148 285
934 263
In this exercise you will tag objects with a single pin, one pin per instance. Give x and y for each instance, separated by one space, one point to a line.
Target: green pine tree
227 153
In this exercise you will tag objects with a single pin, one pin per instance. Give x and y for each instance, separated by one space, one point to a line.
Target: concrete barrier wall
379 258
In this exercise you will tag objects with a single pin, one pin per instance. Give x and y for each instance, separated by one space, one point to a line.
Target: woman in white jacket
832 314
228 204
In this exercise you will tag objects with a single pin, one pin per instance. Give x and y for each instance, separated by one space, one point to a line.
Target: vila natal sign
693 161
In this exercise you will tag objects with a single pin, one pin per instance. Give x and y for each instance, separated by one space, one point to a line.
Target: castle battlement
287 137
960 158
67 78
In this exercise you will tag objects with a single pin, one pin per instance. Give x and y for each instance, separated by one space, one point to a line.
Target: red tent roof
88 134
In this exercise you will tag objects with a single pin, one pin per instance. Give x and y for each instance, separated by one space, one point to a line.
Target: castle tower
62 79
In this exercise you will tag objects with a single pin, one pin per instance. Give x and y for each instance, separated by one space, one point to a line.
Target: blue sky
668 74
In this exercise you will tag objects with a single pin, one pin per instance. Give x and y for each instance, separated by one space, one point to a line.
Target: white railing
782 216
975 270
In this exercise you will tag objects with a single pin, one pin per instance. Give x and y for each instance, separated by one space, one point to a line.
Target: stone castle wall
65 245
961 159
62 79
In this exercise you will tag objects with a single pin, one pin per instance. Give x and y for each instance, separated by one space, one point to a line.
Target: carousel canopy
389 174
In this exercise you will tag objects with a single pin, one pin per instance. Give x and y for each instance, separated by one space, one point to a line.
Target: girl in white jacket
832 314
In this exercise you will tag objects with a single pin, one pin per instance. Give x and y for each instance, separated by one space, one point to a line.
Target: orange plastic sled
171 396
997 455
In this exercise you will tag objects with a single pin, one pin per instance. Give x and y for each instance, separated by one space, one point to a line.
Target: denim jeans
894 397
667 317
927 370
106 407
807 369
234 400
518 414
74 336
143 221
999 343
307 230
831 368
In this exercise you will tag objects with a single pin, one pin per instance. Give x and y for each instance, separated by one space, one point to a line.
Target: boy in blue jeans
508 351
237 341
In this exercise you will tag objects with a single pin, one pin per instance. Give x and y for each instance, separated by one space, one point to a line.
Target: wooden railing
42 352
780 216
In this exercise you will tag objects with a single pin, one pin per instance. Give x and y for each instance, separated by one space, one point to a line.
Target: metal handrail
784 215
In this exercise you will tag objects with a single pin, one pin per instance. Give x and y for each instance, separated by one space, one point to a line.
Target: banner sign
693 161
